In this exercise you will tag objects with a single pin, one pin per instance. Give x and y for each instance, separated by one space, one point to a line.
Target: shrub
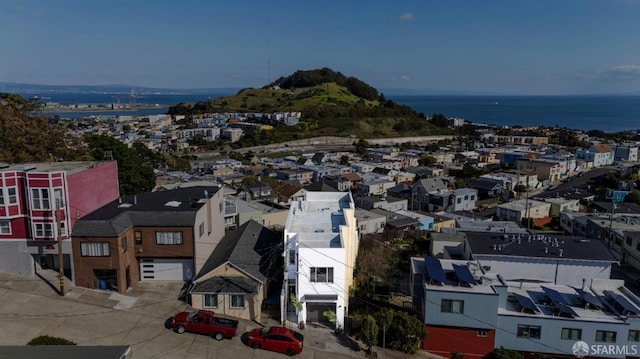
48 340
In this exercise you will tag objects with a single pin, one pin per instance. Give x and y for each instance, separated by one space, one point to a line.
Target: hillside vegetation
330 104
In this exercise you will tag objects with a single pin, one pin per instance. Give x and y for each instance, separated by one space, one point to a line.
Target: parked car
204 322
277 339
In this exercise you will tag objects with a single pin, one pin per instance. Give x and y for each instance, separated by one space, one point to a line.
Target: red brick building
29 222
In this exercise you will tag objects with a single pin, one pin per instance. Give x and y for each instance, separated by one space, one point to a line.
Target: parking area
31 307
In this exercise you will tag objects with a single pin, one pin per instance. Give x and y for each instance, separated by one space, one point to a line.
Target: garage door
166 269
315 310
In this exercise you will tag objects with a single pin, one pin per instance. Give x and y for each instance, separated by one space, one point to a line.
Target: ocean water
606 113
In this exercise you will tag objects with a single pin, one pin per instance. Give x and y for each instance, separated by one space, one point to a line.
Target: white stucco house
320 249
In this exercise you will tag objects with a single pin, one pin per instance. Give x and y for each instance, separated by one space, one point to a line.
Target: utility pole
58 214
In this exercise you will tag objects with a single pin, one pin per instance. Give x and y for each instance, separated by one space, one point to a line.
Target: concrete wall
14 258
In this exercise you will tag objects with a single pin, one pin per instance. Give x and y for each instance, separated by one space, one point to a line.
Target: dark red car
204 322
277 339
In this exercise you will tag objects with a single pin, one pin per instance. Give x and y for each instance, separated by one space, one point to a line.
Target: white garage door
166 269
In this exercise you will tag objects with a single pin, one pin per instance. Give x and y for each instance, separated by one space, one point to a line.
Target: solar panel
623 302
434 270
554 296
464 275
589 298
526 302
559 301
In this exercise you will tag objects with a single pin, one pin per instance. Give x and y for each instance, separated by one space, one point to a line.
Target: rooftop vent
4 165
174 204
125 205
29 167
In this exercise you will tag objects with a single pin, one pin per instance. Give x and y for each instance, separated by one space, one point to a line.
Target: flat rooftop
317 220
71 167
521 205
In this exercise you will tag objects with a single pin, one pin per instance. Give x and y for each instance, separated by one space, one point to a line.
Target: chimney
119 199
135 199
560 253
584 282
206 194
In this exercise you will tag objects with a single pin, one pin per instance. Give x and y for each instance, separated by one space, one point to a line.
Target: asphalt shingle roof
249 247
174 208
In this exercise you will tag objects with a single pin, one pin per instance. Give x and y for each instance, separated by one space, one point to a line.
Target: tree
402 331
133 174
439 120
49 340
344 160
369 331
504 354
361 147
426 160
632 197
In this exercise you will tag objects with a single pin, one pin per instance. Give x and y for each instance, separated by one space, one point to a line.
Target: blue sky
505 47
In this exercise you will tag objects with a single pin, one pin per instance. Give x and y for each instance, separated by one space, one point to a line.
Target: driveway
31 307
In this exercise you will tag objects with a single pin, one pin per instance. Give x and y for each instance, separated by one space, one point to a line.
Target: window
57 196
63 229
237 301
44 230
634 335
138 236
201 229
168 237
211 301
466 197
571 333
95 249
12 197
5 227
321 275
123 243
40 198
605 336
452 306
528 331
481 333
459 200
292 256
473 197
628 241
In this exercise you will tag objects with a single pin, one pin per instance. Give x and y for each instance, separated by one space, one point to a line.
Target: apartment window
459 200
95 249
292 256
44 230
321 275
481 333
528 331
466 197
605 336
168 237
138 237
123 243
5 227
57 196
638 246
634 335
473 197
571 333
201 229
628 241
40 198
237 300
452 306
210 301
63 229
13 195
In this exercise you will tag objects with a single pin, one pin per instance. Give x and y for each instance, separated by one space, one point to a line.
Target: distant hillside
25 139
330 103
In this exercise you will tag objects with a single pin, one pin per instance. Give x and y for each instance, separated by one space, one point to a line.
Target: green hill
330 104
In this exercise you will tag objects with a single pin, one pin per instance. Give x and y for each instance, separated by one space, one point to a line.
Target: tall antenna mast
268 54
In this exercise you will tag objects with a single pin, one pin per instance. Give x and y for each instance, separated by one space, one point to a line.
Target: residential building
523 208
547 170
461 199
235 279
232 134
626 152
471 311
320 249
370 222
31 222
166 235
561 204
374 184
598 154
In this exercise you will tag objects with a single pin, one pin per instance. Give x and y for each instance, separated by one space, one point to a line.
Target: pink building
29 222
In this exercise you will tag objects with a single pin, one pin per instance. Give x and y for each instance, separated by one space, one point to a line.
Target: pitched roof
602 148
352 176
232 284
249 247
285 189
174 208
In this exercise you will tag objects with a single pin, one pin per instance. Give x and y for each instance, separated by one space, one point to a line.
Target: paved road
30 308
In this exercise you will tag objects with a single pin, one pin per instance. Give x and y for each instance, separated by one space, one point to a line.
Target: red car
277 339
204 322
